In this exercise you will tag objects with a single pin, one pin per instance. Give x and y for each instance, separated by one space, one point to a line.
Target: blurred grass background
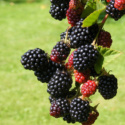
23 99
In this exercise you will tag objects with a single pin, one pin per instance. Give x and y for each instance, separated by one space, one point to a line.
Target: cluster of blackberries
58 8
72 103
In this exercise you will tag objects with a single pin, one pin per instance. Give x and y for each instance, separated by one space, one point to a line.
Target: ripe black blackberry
113 12
79 110
68 119
58 9
46 74
108 86
60 52
59 107
35 59
59 84
85 57
81 36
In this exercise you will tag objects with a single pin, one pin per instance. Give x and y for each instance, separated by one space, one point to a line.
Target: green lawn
23 99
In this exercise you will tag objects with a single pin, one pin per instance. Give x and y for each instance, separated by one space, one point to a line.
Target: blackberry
84 57
113 12
59 84
92 118
104 39
79 110
60 52
46 74
74 15
108 86
35 59
81 36
60 107
68 119
58 9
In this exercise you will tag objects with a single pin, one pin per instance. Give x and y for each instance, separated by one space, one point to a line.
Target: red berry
108 1
81 77
70 61
74 12
119 4
88 88
92 118
73 4
104 39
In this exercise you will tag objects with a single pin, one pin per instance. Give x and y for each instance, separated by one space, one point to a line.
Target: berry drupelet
35 59
85 57
107 86
79 110
59 84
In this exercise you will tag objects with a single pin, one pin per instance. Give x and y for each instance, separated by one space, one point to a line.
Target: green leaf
99 5
92 18
89 8
106 56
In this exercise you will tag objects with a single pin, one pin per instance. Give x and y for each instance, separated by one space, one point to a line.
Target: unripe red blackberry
46 74
58 9
68 119
79 110
81 77
107 86
104 39
60 52
74 15
74 12
81 36
85 57
92 118
35 59
113 12
120 4
59 84
60 107
108 1
88 88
